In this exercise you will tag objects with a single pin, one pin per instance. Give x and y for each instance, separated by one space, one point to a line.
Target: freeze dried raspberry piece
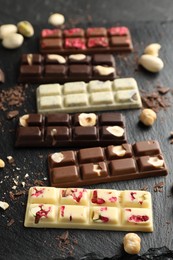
97 42
118 31
75 43
74 32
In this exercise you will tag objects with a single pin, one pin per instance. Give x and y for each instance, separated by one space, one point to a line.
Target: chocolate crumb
163 90
158 187
64 236
66 244
144 188
13 195
12 114
11 222
39 183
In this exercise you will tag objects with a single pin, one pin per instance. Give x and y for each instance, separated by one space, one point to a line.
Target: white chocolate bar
93 96
128 210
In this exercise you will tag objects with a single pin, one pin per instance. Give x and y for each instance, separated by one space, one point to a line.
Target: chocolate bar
52 68
112 163
65 130
128 210
91 40
93 96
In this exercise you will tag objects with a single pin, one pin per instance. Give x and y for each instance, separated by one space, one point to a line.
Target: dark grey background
149 21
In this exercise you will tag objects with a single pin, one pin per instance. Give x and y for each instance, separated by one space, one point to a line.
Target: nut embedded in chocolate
2 76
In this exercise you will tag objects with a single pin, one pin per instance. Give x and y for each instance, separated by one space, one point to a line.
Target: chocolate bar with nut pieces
65 130
122 93
112 163
104 209
90 40
52 68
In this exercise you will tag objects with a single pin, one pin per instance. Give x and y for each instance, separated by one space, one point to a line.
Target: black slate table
17 242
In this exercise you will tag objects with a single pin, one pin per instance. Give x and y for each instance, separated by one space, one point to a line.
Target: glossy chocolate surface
65 130
51 68
112 163
91 40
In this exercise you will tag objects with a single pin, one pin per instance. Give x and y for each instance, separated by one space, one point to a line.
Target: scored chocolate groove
112 163
52 68
65 130
91 40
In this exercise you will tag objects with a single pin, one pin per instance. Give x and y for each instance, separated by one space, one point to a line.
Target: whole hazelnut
148 117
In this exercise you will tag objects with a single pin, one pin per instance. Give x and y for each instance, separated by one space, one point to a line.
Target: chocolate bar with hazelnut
112 163
65 130
90 40
79 208
52 68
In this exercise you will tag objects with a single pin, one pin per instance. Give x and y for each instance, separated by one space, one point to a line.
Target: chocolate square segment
51 33
49 44
123 166
93 171
57 133
118 31
85 133
55 70
31 59
35 120
80 71
103 59
74 59
91 155
111 119
146 148
61 119
66 158
74 32
98 31
119 151
75 43
120 41
145 165
65 174
31 70
30 133
95 42
105 134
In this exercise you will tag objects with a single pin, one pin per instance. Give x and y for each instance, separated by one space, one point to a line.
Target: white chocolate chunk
87 119
43 195
119 150
49 89
4 205
73 214
76 100
57 157
74 87
99 86
156 162
39 214
50 102
136 199
77 57
102 98
126 96
57 57
104 71
124 83
74 196
115 130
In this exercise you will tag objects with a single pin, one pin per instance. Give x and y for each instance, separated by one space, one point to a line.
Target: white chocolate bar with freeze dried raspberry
79 208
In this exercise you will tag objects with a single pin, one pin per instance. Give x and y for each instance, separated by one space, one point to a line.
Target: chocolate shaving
11 222
158 187
163 90
66 244
144 188
13 195
39 183
12 114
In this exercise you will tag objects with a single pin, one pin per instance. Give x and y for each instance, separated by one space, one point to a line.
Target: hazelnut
115 130
132 243
153 49
104 71
151 63
57 57
148 117
23 120
4 205
87 119
56 19
2 163
156 162
119 150
57 157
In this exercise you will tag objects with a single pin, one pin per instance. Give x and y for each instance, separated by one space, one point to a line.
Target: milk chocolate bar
93 96
78 208
52 68
65 130
90 40
112 163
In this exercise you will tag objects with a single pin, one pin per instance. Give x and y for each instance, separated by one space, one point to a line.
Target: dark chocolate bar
65 130
52 68
113 163
91 40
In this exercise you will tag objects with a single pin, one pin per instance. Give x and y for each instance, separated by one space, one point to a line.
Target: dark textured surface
18 242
